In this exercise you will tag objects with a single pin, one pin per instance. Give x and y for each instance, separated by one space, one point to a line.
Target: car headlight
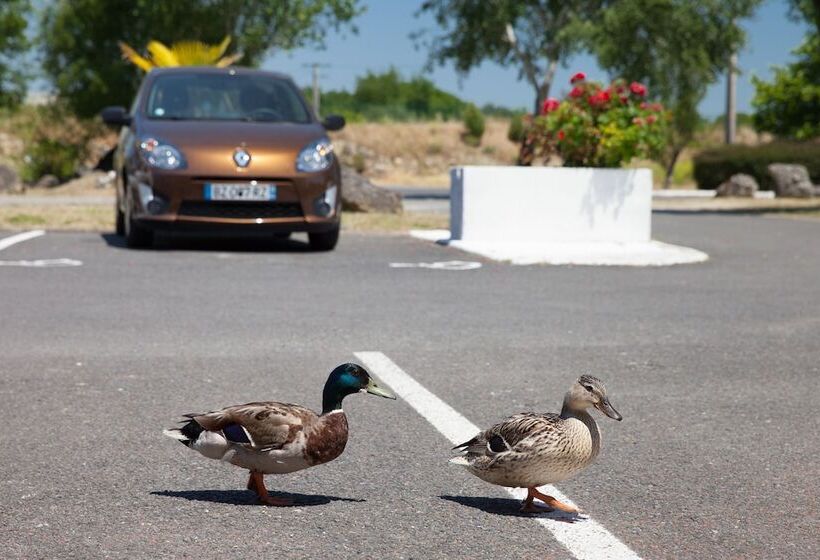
161 154
316 156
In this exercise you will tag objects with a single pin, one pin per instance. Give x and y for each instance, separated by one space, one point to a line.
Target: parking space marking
440 265
585 539
7 242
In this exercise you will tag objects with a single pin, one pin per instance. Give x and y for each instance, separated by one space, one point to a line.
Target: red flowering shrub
550 105
578 77
597 126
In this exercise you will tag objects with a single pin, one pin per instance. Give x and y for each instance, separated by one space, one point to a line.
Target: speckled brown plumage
533 449
327 440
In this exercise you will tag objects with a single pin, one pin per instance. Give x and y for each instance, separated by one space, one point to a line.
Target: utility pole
315 71
731 110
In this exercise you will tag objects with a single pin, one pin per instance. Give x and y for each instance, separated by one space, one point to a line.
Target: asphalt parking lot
714 366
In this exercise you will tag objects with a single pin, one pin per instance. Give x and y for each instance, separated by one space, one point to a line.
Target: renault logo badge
241 157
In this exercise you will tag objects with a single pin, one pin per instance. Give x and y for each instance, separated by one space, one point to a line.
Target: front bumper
180 203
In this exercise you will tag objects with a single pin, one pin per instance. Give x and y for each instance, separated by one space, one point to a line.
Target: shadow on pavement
508 507
247 498
250 244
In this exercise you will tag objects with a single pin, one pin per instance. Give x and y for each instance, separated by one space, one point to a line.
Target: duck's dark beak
374 389
606 407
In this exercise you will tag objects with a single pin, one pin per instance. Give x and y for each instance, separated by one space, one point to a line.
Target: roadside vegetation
403 129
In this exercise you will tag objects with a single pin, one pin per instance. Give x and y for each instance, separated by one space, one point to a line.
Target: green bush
473 125
712 167
515 133
51 157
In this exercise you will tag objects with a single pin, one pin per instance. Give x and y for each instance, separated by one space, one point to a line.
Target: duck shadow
509 507
247 498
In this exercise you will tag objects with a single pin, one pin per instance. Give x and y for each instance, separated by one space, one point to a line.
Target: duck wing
512 431
258 425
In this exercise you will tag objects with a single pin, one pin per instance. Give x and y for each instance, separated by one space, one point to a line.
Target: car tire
325 240
136 236
119 219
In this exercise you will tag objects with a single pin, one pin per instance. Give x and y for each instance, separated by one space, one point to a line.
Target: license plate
240 191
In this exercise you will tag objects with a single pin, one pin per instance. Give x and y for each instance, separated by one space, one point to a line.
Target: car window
225 97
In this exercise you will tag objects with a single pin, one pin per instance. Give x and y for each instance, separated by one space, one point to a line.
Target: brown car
228 149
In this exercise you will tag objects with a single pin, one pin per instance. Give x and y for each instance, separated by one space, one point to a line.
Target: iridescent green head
345 380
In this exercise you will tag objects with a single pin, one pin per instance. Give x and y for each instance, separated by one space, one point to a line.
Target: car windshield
230 97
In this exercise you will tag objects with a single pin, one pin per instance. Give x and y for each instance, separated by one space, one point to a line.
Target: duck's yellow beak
606 407
374 389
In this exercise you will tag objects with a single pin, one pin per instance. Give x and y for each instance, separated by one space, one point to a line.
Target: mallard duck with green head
278 438
531 449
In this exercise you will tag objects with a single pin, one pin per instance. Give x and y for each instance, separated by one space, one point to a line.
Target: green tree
677 47
82 58
535 35
473 125
808 10
789 104
378 89
12 44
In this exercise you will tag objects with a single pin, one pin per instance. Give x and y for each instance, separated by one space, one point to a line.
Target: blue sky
383 41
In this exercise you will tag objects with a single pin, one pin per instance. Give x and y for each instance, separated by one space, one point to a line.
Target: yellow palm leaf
228 60
162 55
183 53
130 54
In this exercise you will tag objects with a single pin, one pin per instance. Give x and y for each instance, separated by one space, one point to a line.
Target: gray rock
9 179
791 180
360 195
738 184
47 182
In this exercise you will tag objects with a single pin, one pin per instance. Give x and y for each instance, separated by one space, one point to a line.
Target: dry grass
101 218
738 204
386 223
420 153
75 218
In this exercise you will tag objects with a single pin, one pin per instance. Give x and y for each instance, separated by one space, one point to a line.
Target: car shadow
509 507
245 244
248 498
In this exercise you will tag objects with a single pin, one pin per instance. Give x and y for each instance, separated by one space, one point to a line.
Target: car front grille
240 210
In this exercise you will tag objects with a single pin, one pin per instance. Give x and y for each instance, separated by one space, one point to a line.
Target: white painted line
7 242
585 539
440 265
43 263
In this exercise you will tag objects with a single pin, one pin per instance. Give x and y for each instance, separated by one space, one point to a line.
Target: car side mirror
116 116
334 122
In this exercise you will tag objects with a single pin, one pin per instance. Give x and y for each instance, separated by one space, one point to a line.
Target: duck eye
588 388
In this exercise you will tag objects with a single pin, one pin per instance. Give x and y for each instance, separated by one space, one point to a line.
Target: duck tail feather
467 444
186 434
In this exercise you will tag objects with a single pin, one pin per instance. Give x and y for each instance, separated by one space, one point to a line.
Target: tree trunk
526 152
670 166
542 90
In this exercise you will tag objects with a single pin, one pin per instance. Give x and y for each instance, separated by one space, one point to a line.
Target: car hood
208 146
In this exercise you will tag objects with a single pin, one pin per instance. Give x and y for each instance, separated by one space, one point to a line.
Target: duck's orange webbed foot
552 503
256 483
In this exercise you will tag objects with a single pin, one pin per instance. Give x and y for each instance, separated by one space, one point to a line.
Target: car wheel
325 240
120 219
136 236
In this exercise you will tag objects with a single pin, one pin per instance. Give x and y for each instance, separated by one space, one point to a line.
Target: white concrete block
550 204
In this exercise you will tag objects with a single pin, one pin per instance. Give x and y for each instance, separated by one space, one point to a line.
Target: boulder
791 180
47 182
738 184
360 195
9 179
